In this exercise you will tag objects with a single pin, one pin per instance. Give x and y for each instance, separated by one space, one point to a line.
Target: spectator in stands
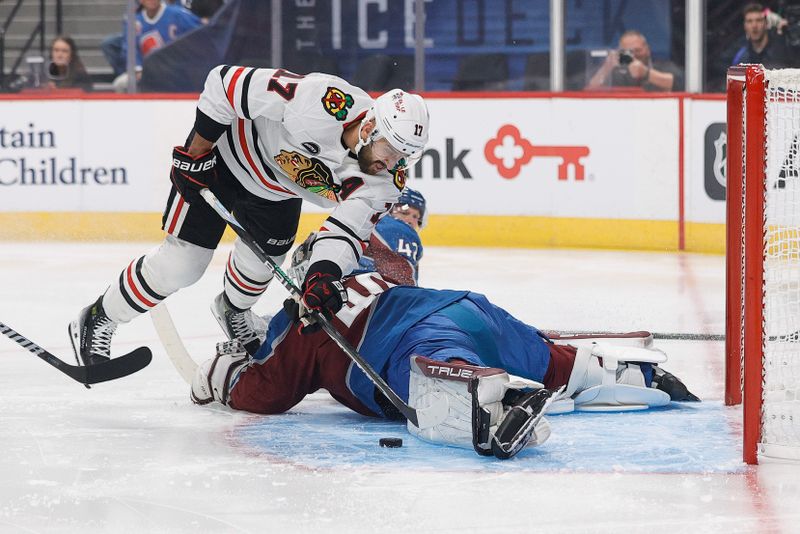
633 66
112 45
66 70
204 9
763 45
157 25
112 50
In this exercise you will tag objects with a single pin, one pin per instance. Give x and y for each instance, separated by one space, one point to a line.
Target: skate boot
672 386
91 334
242 325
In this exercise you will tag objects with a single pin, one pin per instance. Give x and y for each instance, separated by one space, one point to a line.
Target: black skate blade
125 365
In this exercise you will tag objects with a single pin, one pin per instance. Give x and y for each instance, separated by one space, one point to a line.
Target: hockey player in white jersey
263 141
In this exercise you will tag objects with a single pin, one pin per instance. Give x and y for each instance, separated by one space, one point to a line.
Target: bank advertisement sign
611 158
560 157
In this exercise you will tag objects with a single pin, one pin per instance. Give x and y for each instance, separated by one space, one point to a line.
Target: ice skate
242 325
672 386
91 334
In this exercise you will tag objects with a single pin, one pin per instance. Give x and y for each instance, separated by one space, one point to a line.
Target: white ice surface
134 455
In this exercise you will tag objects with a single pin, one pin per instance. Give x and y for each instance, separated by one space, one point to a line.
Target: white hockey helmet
402 119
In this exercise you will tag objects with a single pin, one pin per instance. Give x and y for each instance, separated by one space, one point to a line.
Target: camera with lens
792 30
55 73
625 57
621 77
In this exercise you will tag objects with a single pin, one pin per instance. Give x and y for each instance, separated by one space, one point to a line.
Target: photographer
66 69
764 46
633 66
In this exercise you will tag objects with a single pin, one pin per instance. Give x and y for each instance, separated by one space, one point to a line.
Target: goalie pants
471 329
480 333
194 231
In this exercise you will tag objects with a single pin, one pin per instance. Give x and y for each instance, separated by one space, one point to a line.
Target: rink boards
502 169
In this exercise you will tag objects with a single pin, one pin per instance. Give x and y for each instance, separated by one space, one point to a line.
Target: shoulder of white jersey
374 187
324 103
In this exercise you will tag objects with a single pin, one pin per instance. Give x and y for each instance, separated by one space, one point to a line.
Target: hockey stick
86 374
407 411
656 335
173 345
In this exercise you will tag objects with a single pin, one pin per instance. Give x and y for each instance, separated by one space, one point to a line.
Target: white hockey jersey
284 140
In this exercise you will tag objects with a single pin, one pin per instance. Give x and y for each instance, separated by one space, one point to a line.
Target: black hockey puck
391 443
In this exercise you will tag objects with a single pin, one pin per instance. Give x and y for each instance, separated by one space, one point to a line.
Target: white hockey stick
173 345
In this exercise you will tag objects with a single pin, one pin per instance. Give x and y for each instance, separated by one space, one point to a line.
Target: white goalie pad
604 378
641 338
446 396
214 377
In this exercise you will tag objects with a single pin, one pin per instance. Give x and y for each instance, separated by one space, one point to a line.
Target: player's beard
367 162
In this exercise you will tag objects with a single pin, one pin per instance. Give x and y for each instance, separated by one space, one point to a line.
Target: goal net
763 259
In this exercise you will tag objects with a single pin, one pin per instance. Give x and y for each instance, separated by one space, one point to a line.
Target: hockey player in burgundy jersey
263 141
394 247
481 377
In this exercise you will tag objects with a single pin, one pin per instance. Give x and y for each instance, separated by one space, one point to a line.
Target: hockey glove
191 174
322 292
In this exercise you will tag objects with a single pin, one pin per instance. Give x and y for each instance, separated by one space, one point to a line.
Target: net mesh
780 433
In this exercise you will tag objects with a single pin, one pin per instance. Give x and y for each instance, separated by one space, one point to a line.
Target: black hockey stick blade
124 365
115 368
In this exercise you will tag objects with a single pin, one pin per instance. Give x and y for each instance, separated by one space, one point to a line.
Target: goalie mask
401 128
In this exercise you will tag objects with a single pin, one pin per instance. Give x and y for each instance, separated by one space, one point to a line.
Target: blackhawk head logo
309 173
336 102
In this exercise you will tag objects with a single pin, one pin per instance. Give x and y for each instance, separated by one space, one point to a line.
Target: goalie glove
477 407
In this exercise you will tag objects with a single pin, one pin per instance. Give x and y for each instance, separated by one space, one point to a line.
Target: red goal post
762 331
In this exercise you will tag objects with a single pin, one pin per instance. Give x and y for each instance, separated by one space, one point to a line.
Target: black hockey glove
191 174
322 292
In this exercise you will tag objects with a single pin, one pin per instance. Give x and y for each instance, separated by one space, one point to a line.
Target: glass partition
469 45
624 46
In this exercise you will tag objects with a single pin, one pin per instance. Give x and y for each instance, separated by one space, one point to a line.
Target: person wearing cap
264 140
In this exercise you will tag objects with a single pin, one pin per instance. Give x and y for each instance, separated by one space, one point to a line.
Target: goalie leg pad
465 406
604 378
214 378
641 339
